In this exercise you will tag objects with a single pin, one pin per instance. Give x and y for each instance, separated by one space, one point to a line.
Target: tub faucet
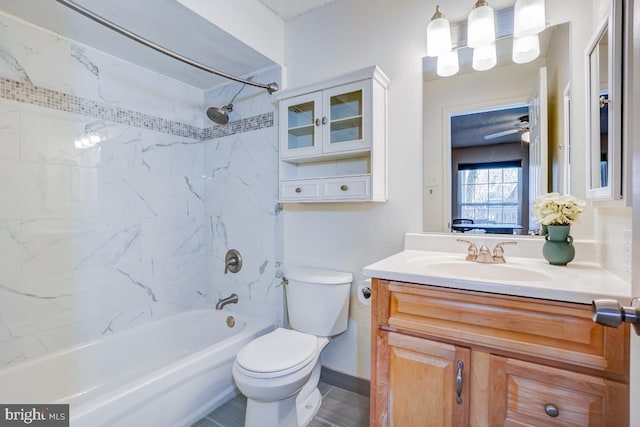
231 299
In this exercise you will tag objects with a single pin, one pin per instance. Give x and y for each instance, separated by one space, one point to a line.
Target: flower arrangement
554 209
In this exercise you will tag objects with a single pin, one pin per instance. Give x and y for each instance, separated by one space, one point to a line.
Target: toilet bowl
279 372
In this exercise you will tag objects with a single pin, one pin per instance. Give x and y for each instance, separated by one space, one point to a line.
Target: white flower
554 209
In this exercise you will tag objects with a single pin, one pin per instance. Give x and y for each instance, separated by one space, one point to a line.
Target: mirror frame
613 25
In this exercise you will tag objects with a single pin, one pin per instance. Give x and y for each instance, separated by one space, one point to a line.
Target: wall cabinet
333 139
445 357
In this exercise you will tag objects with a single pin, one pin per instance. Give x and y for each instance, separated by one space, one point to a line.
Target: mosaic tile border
30 94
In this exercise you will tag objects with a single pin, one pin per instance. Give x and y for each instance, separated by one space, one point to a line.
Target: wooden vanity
449 357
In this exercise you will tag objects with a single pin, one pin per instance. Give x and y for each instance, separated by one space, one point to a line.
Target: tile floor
340 408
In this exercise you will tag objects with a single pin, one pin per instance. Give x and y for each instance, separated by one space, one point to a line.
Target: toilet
279 372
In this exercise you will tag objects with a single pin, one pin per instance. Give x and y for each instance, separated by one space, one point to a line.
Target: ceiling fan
521 126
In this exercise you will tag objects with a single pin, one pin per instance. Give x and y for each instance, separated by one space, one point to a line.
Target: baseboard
347 382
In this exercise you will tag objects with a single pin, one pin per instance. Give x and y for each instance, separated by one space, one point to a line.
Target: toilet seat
277 353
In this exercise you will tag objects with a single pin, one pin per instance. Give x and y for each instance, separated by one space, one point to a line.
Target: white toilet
279 372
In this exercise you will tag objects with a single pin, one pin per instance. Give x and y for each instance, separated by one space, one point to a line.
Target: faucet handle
498 251
472 250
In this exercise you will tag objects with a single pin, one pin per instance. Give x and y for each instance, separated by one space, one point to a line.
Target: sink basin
485 272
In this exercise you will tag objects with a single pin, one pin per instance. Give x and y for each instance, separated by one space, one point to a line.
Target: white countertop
580 281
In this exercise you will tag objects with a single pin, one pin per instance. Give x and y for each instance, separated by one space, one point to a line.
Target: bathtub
167 372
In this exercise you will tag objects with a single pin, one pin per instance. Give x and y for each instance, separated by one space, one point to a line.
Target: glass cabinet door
302 124
346 117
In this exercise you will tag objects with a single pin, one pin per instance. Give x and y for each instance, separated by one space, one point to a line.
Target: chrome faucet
483 255
231 299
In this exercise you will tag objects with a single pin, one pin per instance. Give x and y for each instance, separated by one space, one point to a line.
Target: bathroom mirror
502 110
603 88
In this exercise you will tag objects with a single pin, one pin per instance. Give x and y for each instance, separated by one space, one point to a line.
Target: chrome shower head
219 115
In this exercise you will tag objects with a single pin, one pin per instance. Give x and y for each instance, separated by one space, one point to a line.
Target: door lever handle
609 313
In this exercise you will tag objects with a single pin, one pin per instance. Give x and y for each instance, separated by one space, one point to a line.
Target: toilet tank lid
317 275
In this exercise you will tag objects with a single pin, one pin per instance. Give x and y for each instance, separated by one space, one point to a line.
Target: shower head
219 114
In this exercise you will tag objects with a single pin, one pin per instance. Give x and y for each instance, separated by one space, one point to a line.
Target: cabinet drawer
355 187
527 394
300 190
530 328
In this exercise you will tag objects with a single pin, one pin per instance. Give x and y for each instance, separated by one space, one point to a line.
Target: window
490 192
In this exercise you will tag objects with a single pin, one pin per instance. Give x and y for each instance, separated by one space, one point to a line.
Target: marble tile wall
241 194
110 187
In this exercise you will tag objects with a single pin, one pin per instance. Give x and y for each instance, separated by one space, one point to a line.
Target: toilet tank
318 300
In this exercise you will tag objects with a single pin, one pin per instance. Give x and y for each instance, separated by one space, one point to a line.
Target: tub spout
231 299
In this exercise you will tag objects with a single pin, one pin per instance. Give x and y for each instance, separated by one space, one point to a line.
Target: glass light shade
481 28
438 37
484 57
448 64
529 17
525 49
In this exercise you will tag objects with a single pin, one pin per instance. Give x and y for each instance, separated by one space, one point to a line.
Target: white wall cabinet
333 139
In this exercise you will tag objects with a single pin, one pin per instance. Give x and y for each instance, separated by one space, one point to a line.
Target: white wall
347 35
350 34
249 21
241 202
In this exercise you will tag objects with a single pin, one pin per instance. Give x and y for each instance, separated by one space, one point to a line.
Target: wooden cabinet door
421 376
525 394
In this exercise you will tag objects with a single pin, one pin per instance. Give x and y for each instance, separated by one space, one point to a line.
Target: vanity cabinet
333 139
448 357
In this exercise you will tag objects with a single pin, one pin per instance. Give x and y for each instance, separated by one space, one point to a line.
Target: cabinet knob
551 410
317 122
298 190
324 120
344 187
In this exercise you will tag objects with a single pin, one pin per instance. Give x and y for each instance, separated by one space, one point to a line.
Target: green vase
558 248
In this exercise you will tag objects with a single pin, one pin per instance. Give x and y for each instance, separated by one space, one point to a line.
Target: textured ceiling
288 9
470 129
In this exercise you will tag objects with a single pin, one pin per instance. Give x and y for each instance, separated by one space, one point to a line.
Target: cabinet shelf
331 131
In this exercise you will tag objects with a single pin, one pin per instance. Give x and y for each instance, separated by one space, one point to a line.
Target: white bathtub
168 372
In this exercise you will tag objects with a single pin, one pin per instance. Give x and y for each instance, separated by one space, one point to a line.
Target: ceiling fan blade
503 133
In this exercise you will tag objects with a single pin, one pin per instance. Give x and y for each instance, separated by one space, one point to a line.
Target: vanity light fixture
481 28
484 57
438 35
529 18
448 64
525 49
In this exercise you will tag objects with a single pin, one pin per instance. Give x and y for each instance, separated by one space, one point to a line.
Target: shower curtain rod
270 87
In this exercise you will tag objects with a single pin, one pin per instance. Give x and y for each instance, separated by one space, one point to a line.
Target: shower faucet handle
232 261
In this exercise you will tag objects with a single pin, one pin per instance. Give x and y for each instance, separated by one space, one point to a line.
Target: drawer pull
344 187
298 190
459 382
551 410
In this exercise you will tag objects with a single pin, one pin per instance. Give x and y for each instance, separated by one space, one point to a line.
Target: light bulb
438 35
481 29
448 64
525 49
529 17
484 57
